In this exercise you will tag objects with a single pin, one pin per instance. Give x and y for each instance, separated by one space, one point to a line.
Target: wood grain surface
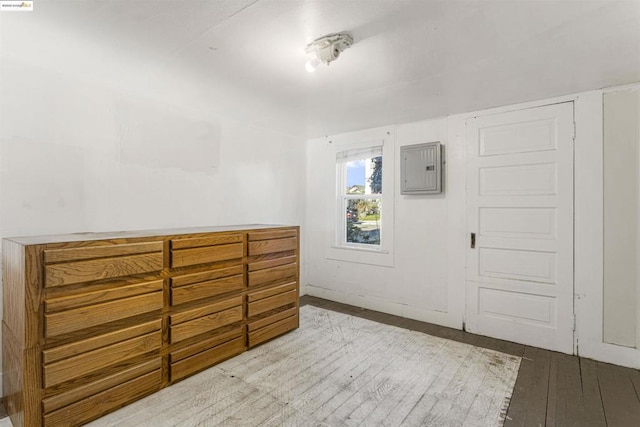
206 254
100 251
211 240
92 315
177 317
270 317
339 370
102 268
206 289
205 344
92 343
204 276
206 358
91 361
260 263
205 324
108 400
93 324
272 234
60 400
262 247
98 296
271 291
272 275
260 306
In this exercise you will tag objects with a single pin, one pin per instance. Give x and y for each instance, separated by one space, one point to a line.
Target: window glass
363 221
360 200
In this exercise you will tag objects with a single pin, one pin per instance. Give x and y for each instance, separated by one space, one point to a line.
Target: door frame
583 282
568 323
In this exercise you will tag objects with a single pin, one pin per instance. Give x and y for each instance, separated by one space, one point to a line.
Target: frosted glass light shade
312 64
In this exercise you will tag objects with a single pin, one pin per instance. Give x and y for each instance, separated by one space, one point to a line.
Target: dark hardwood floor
552 389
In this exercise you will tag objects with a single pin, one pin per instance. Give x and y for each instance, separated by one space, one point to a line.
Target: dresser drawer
57 401
75 319
205 344
206 254
269 318
275 233
100 251
189 323
271 291
75 348
106 401
277 274
261 247
271 262
206 249
78 366
69 273
206 358
210 240
273 330
204 276
92 295
206 289
205 324
266 304
180 316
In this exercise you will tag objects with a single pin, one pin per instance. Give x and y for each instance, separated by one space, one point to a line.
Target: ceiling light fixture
327 49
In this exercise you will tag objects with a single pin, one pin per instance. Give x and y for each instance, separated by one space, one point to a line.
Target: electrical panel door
421 168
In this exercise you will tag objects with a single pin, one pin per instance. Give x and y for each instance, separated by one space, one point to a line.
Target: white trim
516 107
381 255
386 306
354 247
631 86
589 226
454 181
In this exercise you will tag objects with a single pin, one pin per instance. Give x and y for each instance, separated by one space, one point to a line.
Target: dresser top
80 237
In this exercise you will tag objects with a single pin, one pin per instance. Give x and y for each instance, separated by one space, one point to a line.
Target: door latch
473 240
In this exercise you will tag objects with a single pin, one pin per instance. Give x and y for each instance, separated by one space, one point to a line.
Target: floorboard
619 397
592 399
339 370
551 389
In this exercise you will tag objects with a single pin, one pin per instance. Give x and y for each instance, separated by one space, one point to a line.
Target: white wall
415 283
427 279
92 139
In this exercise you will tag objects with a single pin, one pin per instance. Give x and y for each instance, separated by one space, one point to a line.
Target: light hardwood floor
551 389
339 370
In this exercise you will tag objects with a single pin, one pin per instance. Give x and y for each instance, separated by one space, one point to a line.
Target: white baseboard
611 353
385 306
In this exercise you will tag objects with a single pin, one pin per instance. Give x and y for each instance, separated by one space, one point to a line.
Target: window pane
363 221
364 176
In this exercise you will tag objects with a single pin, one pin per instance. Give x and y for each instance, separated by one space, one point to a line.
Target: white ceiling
411 60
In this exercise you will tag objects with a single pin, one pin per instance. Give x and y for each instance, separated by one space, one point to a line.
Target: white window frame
381 255
342 159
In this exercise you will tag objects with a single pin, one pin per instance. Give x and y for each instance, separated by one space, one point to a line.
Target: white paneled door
520 226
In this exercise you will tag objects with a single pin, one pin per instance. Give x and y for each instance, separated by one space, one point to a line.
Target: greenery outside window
360 197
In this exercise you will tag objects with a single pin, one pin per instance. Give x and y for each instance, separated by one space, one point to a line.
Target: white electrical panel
421 168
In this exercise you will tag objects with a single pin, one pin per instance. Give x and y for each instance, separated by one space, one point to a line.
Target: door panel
520 207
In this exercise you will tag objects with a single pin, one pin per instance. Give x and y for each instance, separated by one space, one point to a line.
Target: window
360 197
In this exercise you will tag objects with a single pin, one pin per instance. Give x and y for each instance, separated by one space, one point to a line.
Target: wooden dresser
95 321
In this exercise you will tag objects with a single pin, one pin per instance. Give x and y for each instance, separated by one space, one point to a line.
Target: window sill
378 257
361 249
